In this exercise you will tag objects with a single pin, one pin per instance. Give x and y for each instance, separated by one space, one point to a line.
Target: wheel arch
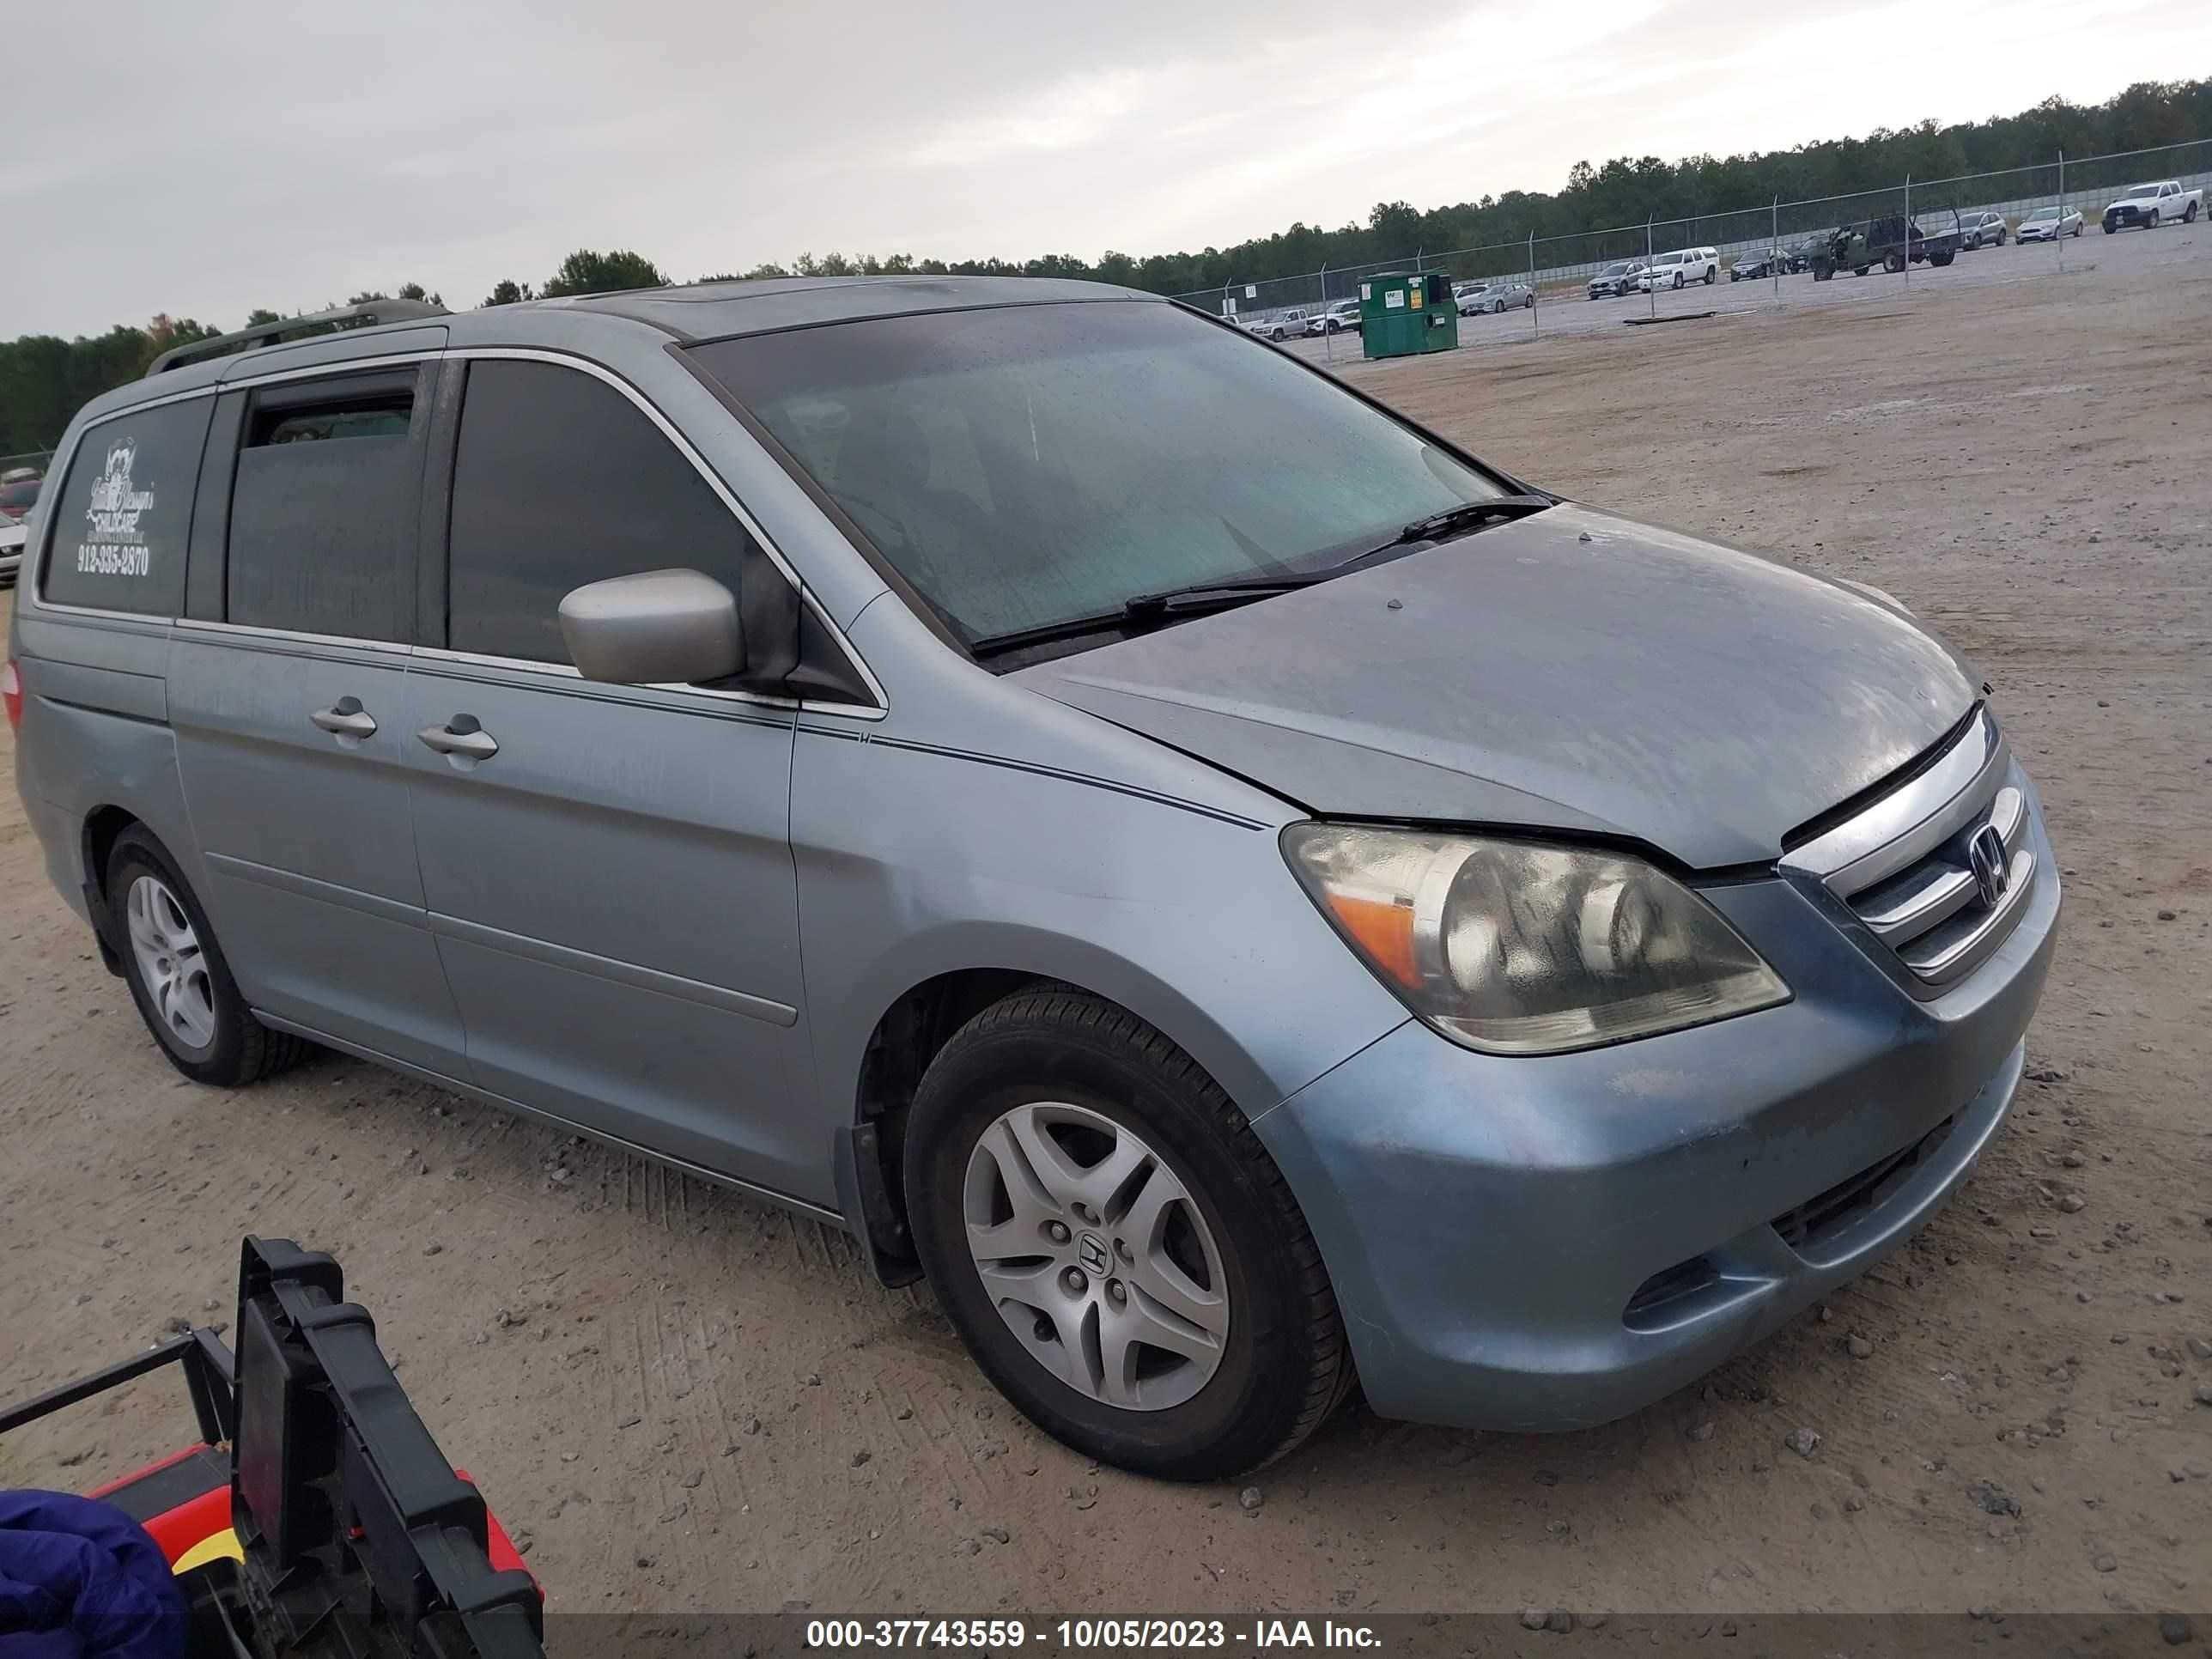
916 1023
103 827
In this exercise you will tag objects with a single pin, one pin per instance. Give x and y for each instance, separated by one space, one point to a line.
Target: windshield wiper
1466 517
1197 598
1138 609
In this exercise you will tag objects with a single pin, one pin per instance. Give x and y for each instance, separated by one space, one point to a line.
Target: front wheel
1119 1254
177 973
2110 227
2151 224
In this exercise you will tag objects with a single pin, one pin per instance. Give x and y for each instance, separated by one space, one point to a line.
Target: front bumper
1551 1243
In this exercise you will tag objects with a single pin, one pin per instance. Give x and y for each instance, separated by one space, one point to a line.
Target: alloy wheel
1096 1256
171 961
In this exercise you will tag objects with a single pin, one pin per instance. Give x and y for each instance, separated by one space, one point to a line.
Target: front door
288 694
608 868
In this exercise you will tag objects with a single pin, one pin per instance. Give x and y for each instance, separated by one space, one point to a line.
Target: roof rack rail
368 314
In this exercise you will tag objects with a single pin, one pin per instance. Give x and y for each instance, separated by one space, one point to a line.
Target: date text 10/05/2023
1087 1634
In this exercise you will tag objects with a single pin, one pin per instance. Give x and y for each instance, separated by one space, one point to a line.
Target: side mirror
659 627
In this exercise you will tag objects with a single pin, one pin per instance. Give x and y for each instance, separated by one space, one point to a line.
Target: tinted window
323 513
560 481
121 520
1026 464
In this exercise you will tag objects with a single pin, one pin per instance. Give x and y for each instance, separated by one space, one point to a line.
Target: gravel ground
684 1401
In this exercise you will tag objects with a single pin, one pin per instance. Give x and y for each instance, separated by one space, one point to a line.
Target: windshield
1618 268
1022 466
2143 190
2044 213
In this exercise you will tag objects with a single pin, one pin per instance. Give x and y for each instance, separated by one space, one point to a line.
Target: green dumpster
1403 312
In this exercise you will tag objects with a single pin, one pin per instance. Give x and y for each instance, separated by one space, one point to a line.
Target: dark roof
706 311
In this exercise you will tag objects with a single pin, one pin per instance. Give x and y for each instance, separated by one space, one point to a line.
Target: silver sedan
2048 224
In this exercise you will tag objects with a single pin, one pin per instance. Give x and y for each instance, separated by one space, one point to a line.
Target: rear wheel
177 973
1118 1249
1709 274
2188 214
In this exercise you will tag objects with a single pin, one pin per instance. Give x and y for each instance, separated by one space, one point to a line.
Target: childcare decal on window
118 544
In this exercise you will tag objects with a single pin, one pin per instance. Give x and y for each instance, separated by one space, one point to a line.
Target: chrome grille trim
1903 868
1909 822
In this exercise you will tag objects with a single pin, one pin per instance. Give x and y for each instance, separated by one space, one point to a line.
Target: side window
560 480
121 520
324 507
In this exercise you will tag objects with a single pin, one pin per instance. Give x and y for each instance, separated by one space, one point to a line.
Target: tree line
44 378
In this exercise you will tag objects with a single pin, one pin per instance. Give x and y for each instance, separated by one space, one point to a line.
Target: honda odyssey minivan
1241 894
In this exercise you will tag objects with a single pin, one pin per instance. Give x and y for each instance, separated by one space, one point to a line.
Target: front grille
1939 869
1821 1218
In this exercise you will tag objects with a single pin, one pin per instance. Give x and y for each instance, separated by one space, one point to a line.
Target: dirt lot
686 1400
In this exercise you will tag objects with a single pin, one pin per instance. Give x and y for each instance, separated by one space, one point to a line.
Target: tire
2077 230
1941 257
1709 274
2110 227
1678 282
1529 303
2151 224
153 911
1860 271
1064 1064
2188 214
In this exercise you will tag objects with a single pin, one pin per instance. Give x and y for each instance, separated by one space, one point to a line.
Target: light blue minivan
1239 893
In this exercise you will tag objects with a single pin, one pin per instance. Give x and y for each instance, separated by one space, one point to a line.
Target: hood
1571 671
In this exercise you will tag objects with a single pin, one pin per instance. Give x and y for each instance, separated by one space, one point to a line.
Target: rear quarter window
121 517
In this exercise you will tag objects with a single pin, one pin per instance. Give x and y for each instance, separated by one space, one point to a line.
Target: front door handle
345 718
460 736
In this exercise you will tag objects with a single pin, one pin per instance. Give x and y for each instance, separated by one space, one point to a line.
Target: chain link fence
1762 241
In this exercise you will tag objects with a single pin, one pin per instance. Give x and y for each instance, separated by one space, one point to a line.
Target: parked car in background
1801 254
2152 205
1484 296
1759 262
1342 314
19 493
1982 229
12 534
1611 1013
1682 267
1616 279
1492 297
2048 224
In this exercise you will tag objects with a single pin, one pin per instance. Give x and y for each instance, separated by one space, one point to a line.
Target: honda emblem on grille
1985 857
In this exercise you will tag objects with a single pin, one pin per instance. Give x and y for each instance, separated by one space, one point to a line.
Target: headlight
1517 948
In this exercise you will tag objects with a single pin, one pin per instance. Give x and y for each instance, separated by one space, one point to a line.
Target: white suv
1687 265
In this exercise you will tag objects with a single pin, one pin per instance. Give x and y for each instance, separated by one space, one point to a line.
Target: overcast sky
202 157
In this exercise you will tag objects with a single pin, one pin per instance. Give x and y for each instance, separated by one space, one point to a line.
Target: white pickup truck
2152 205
